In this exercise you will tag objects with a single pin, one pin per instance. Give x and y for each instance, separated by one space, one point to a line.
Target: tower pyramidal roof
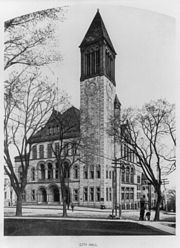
97 31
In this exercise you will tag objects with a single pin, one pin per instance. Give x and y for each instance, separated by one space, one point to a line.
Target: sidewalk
166 224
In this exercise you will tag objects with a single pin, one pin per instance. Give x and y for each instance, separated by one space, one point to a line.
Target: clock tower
97 104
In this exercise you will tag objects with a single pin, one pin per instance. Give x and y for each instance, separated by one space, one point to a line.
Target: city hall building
93 182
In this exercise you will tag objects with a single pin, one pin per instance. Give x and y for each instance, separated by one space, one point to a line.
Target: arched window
98 171
76 172
50 171
85 172
132 175
33 174
41 151
127 174
34 152
91 171
42 171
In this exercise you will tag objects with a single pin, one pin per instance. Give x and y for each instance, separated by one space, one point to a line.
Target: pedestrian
142 209
72 207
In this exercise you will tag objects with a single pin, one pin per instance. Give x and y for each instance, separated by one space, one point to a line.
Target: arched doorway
42 195
54 194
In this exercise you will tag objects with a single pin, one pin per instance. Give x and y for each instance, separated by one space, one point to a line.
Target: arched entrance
42 195
54 194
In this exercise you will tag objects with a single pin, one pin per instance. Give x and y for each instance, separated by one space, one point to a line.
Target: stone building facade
93 180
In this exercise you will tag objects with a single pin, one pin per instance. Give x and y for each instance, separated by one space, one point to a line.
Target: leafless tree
145 131
28 97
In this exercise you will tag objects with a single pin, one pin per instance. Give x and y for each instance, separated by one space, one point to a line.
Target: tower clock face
91 88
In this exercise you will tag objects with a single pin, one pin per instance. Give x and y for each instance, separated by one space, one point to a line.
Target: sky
145 45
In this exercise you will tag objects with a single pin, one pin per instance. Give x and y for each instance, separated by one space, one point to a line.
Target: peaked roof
69 120
97 31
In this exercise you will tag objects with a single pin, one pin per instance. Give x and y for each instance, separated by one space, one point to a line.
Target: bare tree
28 96
23 117
145 131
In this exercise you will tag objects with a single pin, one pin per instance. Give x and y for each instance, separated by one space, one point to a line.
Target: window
33 197
49 151
85 169
123 174
127 174
138 179
41 151
50 171
92 171
107 174
75 194
34 152
5 195
74 148
98 194
91 194
127 193
56 148
98 171
110 194
57 171
33 174
66 149
107 194
76 170
85 193
110 174
131 193
132 175
92 62
42 171
122 194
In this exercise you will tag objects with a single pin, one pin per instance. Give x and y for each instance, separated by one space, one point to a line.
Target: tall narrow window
50 171
34 152
91 171
66 170
107 194
98 194
49 150
33 174
85 170
41 151
132 175
91 194
97 56
127 174
98 171
123 174
85 194
110 194
57 171
76 170
56 148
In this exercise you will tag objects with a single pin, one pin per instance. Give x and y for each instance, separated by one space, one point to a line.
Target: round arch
53 193
42 195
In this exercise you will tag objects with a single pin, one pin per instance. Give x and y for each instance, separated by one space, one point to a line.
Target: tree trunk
63 191
19 204
158 204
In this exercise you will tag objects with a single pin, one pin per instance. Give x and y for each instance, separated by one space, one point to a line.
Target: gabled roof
69 121
97 31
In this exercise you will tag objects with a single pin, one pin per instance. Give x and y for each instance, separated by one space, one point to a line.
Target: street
28 227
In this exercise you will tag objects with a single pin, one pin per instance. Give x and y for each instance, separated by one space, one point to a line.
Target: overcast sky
145 46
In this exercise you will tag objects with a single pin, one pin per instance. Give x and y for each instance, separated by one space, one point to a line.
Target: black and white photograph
88 114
